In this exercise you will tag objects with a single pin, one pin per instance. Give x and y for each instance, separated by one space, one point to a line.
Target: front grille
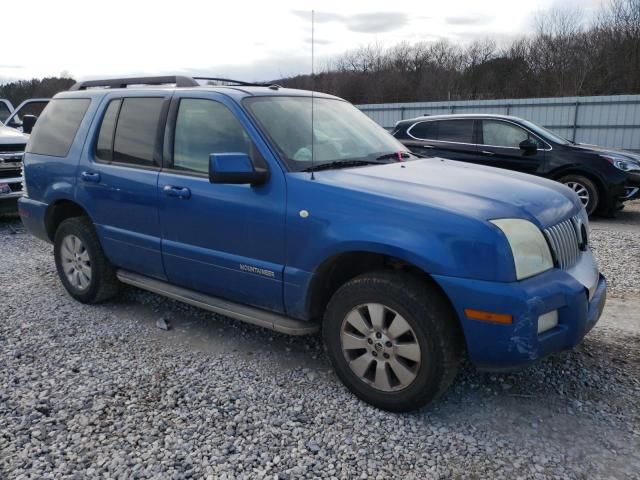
14 147
564 242
10 173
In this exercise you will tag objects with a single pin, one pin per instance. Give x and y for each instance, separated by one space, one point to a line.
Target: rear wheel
392 339
585 189
82 266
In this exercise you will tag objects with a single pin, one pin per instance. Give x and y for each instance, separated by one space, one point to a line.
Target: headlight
622 163
530 250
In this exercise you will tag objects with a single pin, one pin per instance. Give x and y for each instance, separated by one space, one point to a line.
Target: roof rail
179 81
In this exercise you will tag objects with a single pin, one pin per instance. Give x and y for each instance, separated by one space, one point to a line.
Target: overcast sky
250 40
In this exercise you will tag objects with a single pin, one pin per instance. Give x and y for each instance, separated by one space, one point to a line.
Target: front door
500 147
222 239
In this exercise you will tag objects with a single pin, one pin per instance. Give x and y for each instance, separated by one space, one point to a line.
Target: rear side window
104 146
137 130
129 131
425 131
57 126
456 131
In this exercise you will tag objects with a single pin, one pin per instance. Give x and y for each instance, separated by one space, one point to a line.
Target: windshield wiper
399 155
343 164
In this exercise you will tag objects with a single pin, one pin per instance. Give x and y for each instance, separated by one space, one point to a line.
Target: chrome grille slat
563 239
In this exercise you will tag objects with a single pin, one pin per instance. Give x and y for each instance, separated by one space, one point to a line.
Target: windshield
340 132
546 134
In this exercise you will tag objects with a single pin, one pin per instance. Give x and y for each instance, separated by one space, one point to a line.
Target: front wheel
392 339
585 189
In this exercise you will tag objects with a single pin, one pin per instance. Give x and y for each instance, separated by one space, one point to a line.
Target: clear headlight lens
530 250
622 163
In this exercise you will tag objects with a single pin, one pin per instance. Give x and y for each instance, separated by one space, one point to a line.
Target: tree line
565 56
21 90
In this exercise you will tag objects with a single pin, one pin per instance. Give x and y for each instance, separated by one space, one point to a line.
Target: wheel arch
59 211
338 269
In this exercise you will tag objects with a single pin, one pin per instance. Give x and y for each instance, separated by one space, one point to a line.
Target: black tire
427 312
103 283
578 181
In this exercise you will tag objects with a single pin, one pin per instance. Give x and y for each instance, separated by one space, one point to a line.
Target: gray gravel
88 391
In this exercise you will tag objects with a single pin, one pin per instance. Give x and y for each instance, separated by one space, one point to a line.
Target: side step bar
252 315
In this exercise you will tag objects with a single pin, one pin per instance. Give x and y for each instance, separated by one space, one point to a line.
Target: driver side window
503 134
204 127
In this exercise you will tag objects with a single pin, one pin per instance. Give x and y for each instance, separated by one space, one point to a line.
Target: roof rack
179 81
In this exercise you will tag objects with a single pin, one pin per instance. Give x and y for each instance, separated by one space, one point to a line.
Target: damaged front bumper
578 295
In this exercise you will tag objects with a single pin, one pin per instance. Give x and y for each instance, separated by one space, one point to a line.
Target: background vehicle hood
470 190
11 135
602 150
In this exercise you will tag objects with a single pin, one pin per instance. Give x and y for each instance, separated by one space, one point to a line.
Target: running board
254 316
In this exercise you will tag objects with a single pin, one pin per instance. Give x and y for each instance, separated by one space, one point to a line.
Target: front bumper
578 297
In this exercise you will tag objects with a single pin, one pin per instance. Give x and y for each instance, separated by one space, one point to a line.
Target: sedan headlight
622 163
530 250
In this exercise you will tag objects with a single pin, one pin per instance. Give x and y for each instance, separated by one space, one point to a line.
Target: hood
604 151
11 135
470 190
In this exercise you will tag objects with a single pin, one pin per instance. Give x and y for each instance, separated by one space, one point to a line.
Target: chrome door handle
179 192
487 152
90 177
427 146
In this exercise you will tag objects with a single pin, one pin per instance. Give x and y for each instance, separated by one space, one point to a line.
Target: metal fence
610 121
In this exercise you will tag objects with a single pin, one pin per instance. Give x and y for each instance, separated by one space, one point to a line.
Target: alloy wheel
76 262
581 191
380 347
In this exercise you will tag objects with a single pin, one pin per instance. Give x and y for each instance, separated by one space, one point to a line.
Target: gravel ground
88 391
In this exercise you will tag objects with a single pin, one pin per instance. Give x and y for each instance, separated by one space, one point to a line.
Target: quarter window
503 134
460 131
137 131
57 126
204 127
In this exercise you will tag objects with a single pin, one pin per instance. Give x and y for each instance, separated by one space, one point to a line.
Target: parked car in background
12 145
236 199
602 178
24 117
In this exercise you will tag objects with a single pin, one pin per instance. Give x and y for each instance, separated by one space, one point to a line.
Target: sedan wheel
581 191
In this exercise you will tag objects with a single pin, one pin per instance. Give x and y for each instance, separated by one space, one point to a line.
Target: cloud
467 20
318 41
374 22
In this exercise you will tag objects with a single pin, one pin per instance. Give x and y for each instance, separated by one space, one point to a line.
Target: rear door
450 138
499 146
118 178
222 239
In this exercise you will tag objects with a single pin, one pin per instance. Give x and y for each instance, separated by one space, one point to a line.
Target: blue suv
294 211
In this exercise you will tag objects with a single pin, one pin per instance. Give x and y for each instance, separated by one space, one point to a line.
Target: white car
12 144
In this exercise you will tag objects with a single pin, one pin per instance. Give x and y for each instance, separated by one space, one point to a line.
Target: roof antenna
312 89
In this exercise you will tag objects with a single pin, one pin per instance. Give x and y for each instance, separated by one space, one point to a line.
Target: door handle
179 192
487 152
90 177
427 146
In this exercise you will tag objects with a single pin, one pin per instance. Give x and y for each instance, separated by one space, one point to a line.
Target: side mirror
28 122
235 168
528 145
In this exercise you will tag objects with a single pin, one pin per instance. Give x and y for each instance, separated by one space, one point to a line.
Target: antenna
313 82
